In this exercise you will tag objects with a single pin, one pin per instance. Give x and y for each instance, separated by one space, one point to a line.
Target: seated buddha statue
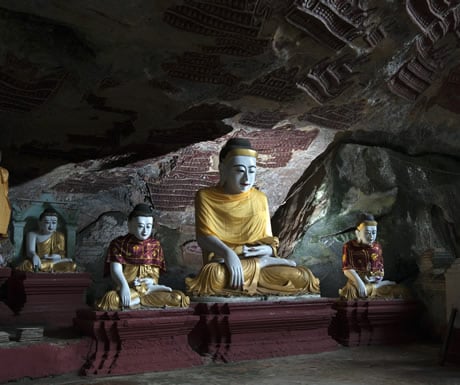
233 229
5 207
362 264
45 248
134 261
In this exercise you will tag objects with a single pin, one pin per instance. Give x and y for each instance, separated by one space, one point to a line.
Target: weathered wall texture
353 105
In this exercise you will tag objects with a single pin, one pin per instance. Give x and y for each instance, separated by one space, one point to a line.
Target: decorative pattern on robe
367 260
128 250
364 259
55 244
140 259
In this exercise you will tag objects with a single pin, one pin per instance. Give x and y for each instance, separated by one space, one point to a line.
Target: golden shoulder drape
55 244
237 220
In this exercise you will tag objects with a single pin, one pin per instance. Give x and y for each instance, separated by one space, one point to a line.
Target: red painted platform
375 322
45 299
137 341
237 331
42 359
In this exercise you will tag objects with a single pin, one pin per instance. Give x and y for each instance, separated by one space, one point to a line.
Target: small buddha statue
5 207
233 229
45 248
134 261
362 264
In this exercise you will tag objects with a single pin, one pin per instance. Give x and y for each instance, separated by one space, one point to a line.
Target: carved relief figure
234 232
45 248
134 261
362 264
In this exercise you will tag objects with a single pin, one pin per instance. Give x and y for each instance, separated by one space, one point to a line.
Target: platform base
42 359
45 299
374 322
138 341
237 331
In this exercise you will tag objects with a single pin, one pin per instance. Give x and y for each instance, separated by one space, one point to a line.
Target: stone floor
373 365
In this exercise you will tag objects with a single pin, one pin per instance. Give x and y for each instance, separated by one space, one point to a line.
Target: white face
48 224
238 174
141 227
367 235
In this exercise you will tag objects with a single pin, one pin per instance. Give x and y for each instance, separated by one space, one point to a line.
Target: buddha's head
140 221
237 166
48 221
366 231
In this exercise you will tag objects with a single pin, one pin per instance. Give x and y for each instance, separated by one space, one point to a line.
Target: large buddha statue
233 229
134 261
45 248
5 207
362 264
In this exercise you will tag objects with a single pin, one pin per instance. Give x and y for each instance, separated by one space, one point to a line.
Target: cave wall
352 105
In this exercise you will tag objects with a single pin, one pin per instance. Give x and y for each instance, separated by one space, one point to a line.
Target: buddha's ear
357 235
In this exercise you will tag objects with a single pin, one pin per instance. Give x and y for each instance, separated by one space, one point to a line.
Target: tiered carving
24 87
201 68
328 79
448 96
417 74
175 190
98 181
285 142
215 111
334 23
336 117
235 24
237 46
278 85
374 36
436 19
263 119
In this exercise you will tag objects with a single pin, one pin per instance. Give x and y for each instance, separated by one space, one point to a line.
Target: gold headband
241 152
366 223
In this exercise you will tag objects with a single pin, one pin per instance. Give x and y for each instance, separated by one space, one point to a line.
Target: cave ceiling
89 79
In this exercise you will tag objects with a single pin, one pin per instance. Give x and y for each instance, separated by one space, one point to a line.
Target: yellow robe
55 244
5 207
238 220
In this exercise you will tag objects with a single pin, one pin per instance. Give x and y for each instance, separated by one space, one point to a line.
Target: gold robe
5 207
238 220
55 244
